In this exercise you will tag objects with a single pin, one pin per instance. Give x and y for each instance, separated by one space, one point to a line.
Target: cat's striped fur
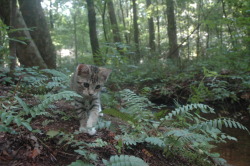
88 81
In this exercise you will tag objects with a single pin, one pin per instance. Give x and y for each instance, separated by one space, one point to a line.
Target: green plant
124 160
40 109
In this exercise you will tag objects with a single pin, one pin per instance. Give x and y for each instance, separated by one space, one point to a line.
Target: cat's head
90 79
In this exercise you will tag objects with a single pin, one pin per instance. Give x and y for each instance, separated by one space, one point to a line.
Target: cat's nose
91 94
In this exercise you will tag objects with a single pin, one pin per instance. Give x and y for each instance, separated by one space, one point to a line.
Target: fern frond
55 73
8 117
128 139
68 95
124 160
155 141
218 123
187 108
133 102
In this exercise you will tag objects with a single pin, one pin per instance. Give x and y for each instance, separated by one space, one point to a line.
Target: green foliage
118 114
188 108
155 141
40 109
8 117
124 160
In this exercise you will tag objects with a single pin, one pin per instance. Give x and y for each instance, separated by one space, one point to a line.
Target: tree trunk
28 54
151 29
75 37
12 44
136 30
34 18
51 19
26 51
233 41
124 23
114 25
103 21
158 29
172 32
93 33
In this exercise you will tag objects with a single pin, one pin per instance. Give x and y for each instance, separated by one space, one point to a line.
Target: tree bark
136 29
12 44
93 33
158 29
151 29
26 51
230 31
172 32
75 37
126 36
114 25
34 18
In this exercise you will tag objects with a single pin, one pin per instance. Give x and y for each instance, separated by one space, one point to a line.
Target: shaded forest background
121 31
173 62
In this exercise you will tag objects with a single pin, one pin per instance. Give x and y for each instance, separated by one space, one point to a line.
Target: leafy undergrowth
56 137
39 127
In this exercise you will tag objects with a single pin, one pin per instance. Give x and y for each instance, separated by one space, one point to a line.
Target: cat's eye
97 87
86 85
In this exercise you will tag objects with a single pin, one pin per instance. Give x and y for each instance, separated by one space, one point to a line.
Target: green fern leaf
23 104
155 141
124 160
27 125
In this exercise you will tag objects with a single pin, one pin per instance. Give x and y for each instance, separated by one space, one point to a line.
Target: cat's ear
104 73
82 69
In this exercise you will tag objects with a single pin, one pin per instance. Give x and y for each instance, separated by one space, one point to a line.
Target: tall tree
126 35
172 32
93 33
12 44
136 29
114 25
151 29
34 18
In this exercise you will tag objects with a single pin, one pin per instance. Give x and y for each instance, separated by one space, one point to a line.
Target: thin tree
172 32
12 44
93 33
126 35
151 29
136 29
114 25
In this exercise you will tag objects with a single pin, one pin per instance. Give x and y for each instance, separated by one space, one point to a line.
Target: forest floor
39 149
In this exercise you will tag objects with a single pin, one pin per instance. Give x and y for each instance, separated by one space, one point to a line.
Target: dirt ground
38 149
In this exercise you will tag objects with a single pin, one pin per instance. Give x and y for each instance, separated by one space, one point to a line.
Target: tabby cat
88 81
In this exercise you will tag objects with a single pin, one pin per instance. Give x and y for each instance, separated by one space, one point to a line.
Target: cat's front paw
92 131
83 130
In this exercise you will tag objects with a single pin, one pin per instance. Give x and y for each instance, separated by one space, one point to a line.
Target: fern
40 109
217 123
187 108
43 81
155 141
8 117
134 102
124 160
135 105
128 139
